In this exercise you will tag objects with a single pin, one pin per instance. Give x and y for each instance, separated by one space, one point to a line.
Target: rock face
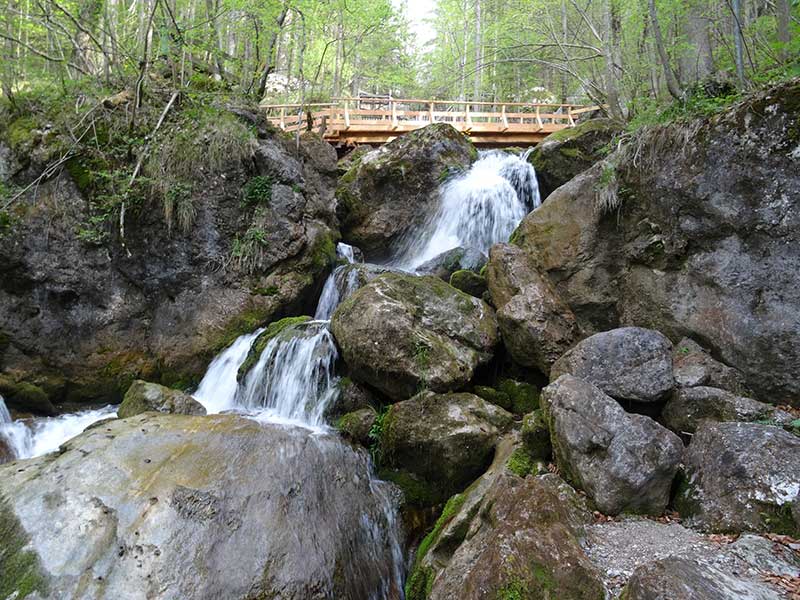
400 333
507 537
357 425
536 325
443 440
165 506
82 317
6 453
457 259
742 477
627 364
690 407
704 242
624 462
143 396
693 367
566 153
393 188
469 282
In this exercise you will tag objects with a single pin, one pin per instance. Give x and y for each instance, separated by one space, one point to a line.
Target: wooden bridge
351 121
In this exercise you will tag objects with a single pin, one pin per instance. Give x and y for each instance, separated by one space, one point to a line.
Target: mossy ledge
20 571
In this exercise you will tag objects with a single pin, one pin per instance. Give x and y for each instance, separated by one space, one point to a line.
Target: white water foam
477 209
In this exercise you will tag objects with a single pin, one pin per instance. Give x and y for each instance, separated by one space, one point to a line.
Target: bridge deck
350 121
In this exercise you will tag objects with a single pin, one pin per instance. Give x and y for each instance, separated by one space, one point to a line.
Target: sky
417 12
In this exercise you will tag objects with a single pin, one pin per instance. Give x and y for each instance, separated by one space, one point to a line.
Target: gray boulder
457 259
356 426
742 477
176 507
388 191
143 396
469 282
693 367
689 407
624 462
443 441
691 235
630 363
402 333
536 325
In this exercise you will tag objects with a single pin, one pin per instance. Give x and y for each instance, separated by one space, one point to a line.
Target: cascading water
294 380
477 209
36 437
339 285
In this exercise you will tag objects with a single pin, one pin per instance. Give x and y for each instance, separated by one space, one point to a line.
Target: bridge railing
400 115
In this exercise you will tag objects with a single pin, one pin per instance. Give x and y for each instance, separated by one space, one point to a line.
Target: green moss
273 330
516 589
415 491
323 253
20 132
419 583
257 190
20 571
493 396
271 290
26 395
521 463
536 435
524 396
779 519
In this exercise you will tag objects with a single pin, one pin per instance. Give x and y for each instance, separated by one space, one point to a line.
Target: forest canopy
625 54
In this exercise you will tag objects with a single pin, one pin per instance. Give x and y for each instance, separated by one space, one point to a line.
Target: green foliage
376 433
247 250
521 463
93 231
257 190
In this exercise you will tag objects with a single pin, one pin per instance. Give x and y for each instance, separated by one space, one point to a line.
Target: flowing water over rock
339 285
35 437
477 209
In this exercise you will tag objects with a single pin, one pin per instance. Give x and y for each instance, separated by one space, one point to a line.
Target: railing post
468 118
569 114
503 117
430 112
283 118
539 118
347 114
394 113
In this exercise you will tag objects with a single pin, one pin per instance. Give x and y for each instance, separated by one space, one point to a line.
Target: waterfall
477 209
35 437
339 285
294 380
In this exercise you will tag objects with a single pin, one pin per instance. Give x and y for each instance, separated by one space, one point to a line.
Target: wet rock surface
624 462
400 333
175 507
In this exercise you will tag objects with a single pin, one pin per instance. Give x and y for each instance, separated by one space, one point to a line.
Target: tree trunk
738 40
784 18
476 92
672 82
610 43
269 67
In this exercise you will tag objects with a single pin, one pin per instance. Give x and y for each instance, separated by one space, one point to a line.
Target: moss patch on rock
20 571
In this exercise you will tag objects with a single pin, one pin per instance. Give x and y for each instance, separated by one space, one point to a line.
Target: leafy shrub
257 191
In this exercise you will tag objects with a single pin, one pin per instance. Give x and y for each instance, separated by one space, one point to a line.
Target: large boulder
143 396
630 363
388 191
507 537
693 230
443 441
690 407
742 477
624 462
536 325
175 507
564 154
84 312
402 333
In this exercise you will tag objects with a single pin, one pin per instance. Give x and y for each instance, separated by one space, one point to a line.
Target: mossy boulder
143 396
507 537
469 282
26 396
457 259
514 396
388 191
357 425
564 154
442 440
401 333
284 328
536 435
